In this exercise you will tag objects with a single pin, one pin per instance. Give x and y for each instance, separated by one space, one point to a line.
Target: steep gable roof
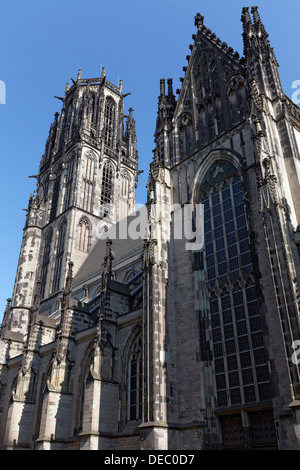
122 248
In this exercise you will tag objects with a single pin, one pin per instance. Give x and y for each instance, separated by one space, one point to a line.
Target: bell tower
86 182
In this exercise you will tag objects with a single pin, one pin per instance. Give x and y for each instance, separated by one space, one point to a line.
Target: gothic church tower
86 182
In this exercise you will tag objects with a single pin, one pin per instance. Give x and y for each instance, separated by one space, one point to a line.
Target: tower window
106 190
68 184
109 117
46 260
55 196
59 256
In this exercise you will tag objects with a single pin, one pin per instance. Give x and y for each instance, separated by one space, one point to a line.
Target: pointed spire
199 20
256 17
102 78
162 87
170 86
105 309
69 279
246 18
67 293
107 272
255 38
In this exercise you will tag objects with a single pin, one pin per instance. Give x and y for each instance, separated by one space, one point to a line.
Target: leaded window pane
222 398
233 379
232 363
264 391
247 376
220 244
219 365
235 395
227 317
243 343
249 393
220 381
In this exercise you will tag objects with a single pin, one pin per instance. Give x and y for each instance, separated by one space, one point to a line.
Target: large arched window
134 384
109 122
106 189
60 247
46 260
241 371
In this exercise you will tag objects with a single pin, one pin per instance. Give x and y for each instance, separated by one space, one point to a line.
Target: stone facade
123 332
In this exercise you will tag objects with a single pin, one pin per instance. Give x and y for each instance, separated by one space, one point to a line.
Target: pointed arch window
46 260
106 190
88 181
135 365
109 122
93 108
55 195
241 373
83 234
60 248
68 183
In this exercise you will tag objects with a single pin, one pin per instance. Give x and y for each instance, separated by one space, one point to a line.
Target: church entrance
259 434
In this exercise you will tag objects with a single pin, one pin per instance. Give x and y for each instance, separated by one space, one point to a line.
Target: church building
175 326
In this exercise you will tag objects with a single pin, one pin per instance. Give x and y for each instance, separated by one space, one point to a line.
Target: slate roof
121 250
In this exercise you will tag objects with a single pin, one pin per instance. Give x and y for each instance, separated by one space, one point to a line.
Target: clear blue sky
44 43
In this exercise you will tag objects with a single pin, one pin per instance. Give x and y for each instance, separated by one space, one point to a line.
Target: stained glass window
239 356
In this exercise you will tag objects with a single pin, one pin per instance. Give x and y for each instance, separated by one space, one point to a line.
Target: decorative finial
170 86
69 279
107 265
79 74
245 15
199 20
254 11
162 86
